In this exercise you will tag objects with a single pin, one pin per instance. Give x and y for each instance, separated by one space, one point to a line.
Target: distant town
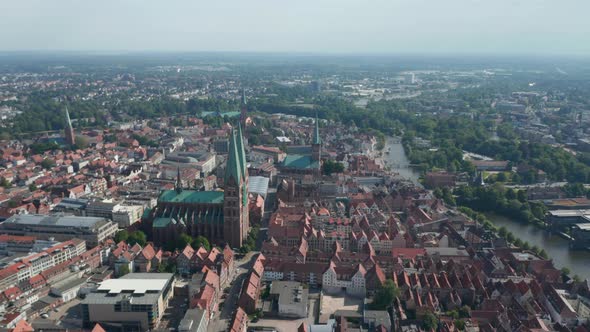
267 195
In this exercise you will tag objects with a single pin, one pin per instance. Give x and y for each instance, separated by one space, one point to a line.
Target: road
220 322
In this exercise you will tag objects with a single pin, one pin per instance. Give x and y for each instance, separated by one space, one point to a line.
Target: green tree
123 270
48 163
465 311
81 142
121 235
32 187
566 271
183 241
201 241
385 295
331 166
137 237
4 183
460 324
429 321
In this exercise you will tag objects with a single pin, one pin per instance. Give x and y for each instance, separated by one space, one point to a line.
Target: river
398 161
556 247
578 261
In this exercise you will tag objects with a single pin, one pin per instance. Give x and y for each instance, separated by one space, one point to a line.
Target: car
255 320
56 310
44 315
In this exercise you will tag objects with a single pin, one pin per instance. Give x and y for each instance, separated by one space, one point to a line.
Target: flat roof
290 292
136 283
258 185
57 220
137 288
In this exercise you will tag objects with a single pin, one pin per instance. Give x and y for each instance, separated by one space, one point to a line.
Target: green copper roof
192 196
241 151
162 222
233 166
300 161
316 132
68 121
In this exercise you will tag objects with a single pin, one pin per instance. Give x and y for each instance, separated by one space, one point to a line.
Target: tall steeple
316 132
244 110
242 152
316 143
69 130
235 197
233 169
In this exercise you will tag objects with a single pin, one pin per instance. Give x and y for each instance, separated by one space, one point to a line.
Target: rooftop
192 196
56 220
300 161
136 283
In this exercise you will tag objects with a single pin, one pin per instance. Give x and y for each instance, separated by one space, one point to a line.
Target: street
220 322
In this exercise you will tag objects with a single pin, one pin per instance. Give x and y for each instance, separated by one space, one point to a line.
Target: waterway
578 261
397 160
556 247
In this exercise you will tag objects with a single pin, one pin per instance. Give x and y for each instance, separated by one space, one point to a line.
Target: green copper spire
242 152
68 121
233 167
316 132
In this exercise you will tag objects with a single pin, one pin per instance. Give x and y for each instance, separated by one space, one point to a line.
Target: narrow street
220 322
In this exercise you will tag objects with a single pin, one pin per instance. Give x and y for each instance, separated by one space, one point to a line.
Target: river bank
556 246
394 157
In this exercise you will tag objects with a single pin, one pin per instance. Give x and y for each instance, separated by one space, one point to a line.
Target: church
220 216
306 160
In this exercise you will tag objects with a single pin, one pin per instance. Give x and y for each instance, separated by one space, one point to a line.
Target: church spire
68 120
244 98
69 130
242 152
233 167
316 132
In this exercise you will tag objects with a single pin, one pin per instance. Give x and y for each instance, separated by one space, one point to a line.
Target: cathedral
220 216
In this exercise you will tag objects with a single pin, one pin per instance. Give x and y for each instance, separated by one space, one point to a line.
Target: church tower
244 110
69 130
236 222
316 144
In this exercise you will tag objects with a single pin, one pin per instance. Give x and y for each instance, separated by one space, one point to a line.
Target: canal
397 160
556 247
578 261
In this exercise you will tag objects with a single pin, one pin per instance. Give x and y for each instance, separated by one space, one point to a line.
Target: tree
385 295
521 196
81 142
183 241
48 163
137 237
465 311
331 166
566 271
201 241
32 187
121 235
4 183
123 270
460 324
429 321
543 254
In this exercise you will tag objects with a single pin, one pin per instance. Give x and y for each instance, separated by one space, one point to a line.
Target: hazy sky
318 26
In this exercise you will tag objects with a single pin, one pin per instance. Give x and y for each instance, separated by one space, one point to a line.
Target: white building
351 279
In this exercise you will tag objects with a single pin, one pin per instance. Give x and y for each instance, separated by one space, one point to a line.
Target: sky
543 27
